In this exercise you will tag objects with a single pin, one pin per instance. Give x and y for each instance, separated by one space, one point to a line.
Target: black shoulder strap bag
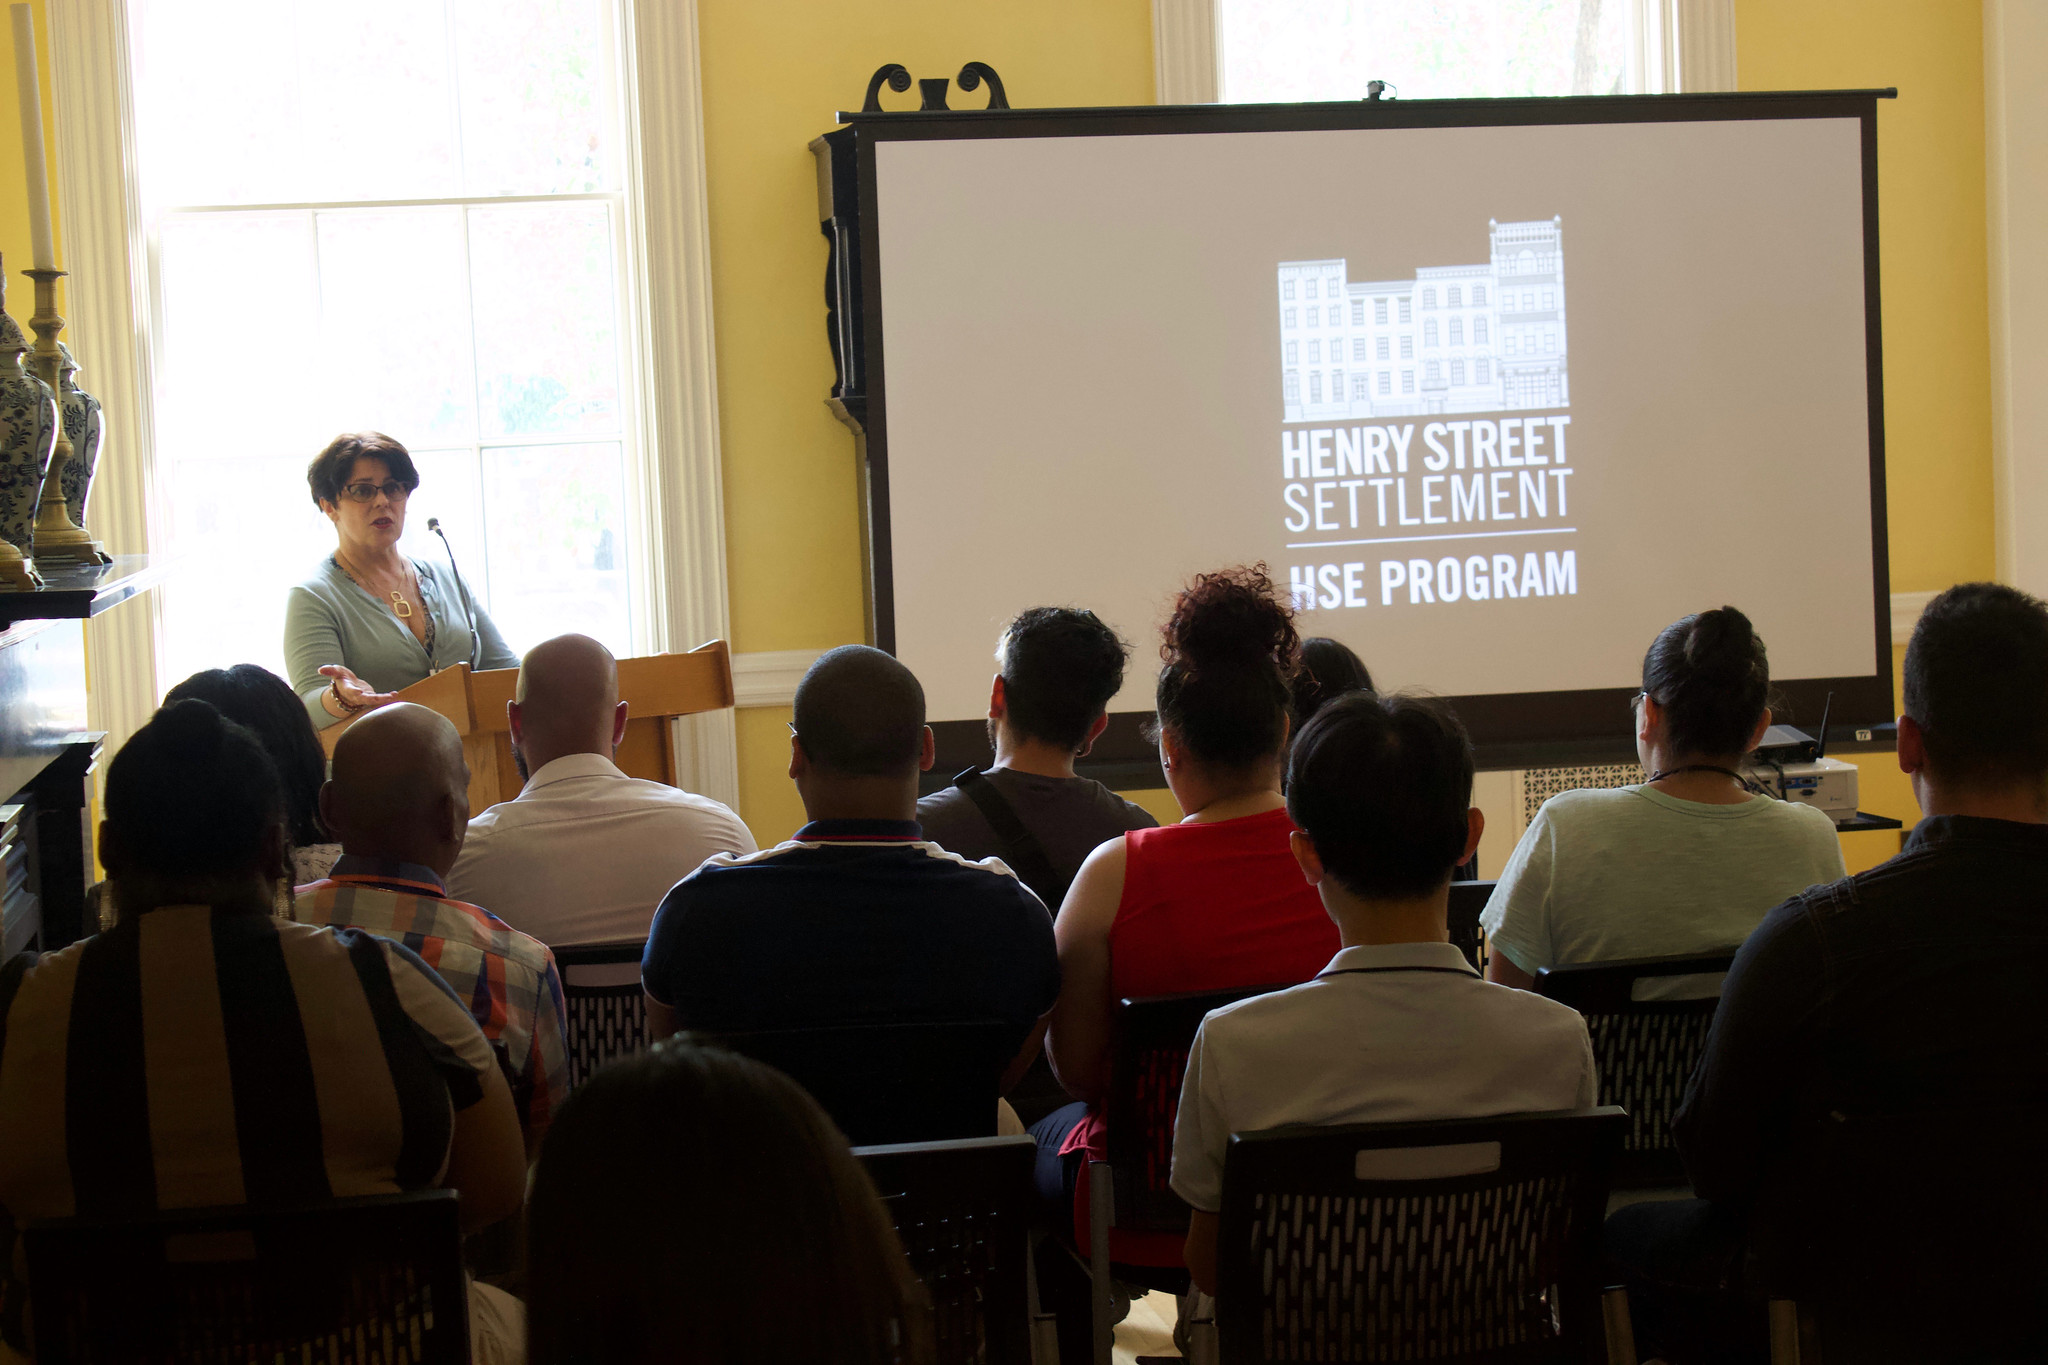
1021 850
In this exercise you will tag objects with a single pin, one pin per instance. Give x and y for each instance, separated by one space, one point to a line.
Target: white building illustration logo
1456 338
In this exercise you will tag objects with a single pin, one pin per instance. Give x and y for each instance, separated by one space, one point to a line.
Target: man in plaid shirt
398 801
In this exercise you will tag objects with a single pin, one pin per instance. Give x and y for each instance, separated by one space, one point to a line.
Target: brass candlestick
57 537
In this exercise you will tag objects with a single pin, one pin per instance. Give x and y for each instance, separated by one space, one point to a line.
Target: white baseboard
1906 609
769 677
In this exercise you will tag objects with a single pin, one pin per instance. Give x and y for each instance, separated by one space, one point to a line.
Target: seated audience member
1687 862
857 919
265 703
1399 1026
1909 991
399 802
203 1052
584 853
1211 903
1329 669
692 1205
1059 667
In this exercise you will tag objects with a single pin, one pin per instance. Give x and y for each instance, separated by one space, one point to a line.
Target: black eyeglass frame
393 489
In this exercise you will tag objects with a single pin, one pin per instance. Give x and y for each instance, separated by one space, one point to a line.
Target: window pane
244 531
241 310
409 375
451 490
255 101
546 352
532 92
1281 50
556 527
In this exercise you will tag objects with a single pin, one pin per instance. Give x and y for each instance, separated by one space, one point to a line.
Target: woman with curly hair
1214 902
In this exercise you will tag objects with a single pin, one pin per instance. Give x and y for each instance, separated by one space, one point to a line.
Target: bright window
1280 50
406 216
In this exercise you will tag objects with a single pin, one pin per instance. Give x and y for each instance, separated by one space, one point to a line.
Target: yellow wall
1931 221
1930 142
774 72
14 243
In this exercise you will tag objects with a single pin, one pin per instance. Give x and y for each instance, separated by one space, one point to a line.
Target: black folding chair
1468 898
963 1211
891 1083
373 1281
607 1011
1149 1042
1645 1050
1907 1236
1467 1240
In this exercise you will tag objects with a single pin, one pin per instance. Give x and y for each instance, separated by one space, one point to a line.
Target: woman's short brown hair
332 466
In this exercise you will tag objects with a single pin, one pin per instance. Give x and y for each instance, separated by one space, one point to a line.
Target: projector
1825 783
1783 744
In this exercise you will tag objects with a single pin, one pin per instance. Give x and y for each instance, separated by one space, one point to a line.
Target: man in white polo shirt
1398 1026
584 853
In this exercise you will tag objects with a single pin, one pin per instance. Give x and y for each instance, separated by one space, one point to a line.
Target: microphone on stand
476 638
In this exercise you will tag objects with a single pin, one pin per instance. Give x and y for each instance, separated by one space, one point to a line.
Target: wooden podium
657 688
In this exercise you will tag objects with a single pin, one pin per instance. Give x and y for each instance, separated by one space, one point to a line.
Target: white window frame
1679 46
674 476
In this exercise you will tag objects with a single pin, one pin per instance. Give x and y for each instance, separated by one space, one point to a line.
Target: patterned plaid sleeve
548 1063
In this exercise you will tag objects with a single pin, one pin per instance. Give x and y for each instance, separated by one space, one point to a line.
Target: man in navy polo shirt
856 920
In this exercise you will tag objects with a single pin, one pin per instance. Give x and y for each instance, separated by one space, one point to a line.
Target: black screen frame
1508 730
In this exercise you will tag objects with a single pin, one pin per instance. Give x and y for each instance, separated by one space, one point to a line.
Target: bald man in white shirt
584 853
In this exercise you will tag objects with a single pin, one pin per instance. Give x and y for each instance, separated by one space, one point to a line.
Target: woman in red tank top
1212 903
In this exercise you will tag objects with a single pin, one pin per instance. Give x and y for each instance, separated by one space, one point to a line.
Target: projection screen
1496 390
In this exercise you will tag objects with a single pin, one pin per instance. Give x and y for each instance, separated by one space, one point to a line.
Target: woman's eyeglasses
367 492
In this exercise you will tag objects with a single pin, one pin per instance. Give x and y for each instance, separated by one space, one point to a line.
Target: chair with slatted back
605 1007
1149 1042
1461 1241
1645 1049
963 1210
373 1281
892 1083
1468 899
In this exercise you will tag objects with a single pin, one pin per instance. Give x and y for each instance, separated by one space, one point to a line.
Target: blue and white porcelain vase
82 425
28 434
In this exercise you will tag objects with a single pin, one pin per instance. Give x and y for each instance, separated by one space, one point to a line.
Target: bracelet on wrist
348 708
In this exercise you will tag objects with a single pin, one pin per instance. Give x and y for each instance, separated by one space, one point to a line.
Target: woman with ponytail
1212 903
1687 862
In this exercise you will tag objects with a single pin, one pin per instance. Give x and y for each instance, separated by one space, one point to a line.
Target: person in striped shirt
202 1052
398 801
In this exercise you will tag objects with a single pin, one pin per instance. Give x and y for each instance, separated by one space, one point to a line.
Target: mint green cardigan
328 619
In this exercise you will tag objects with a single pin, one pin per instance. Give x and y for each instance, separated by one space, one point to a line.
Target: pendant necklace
398 602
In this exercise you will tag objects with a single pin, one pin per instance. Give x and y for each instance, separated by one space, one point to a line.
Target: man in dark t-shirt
858 919
1058 669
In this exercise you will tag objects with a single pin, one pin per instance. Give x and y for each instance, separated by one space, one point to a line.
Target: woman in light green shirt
1688 862
371 621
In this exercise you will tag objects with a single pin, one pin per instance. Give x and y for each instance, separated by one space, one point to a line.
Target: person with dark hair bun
1686 862
202 1052
1877 1063
257 698
1329 669
1211 903
1398 1027
696 1207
